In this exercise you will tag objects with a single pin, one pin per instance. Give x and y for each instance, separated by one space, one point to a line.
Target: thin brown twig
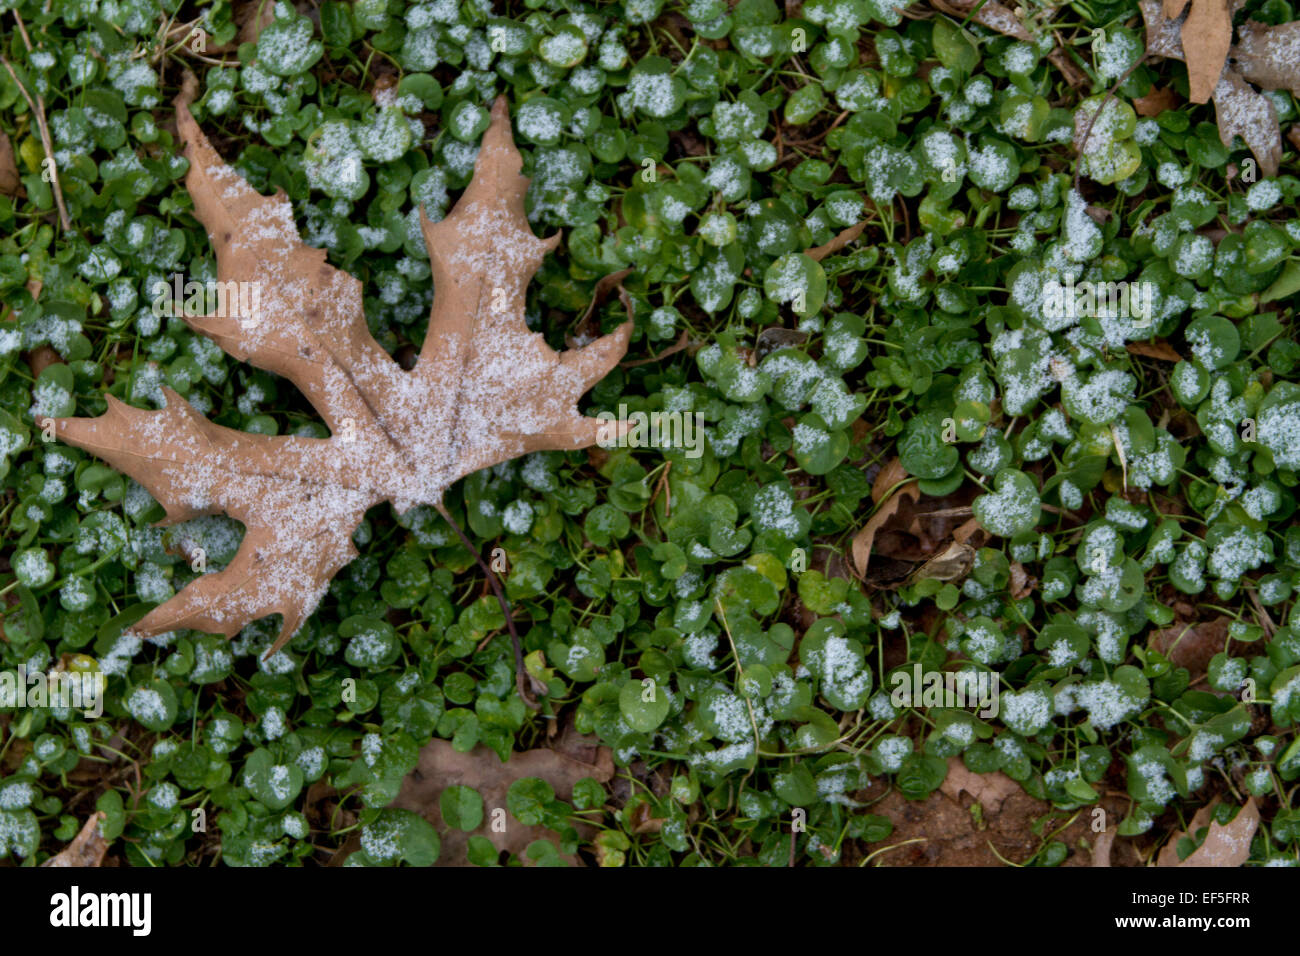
823 134
22 28
1062 512
38 110
683 342
659 486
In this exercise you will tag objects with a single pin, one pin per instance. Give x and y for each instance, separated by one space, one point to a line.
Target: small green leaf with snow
1100 398
1214 341
153 705
33 567
1029 711
838 663
20 833
373 643
817 448
403 835
565 48
994 165
652 88
1279 425
1012 508
287 47
274 785
796 279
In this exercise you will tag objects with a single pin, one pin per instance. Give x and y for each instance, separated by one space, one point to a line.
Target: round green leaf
643 704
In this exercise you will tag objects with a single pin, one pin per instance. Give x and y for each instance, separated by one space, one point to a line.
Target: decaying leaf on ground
989 14
1191 644
1241 111
951 564
9 181
1262 617
996 16
863 540
1101 847
1206 36
605 286
1156 349
1268 56
252 19
1022 584
484 390
838 241
1225 845
921 536
990 789
442 766
1155 102
86 849
893 473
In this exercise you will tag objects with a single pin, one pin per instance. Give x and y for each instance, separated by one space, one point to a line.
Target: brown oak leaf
1269 55
484 389
1265 55
1241 111
1206 37
866 536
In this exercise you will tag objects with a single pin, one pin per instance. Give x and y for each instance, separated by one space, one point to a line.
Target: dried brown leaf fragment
87 847
1225 845
441 765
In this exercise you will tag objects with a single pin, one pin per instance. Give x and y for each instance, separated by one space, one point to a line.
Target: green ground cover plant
846 228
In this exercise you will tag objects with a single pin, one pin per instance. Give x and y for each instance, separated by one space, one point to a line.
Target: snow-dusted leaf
1162 32
1266 55
1241 111
1269 56
1012 507
1225 845
1206 37
485 389
993 15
